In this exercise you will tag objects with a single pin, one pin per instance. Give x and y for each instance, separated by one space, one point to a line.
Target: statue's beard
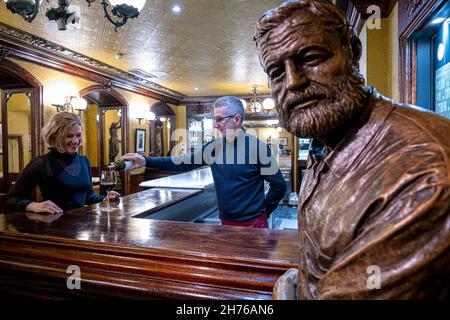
337 104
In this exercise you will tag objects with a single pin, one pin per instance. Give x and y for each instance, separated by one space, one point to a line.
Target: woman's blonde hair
55 131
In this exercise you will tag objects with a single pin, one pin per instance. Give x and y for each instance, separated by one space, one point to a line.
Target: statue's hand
286 286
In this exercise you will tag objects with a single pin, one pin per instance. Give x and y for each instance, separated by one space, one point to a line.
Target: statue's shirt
375 211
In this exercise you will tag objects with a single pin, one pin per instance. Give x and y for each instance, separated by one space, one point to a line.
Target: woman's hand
136 159
113 195
46 206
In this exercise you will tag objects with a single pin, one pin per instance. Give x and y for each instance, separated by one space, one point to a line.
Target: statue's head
311 55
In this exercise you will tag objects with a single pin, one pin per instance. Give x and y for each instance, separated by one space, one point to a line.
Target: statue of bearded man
374 205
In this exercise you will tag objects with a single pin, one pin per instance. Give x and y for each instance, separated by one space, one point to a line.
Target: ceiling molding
386 6
34 49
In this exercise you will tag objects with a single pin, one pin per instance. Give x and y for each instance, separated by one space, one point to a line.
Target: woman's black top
63 178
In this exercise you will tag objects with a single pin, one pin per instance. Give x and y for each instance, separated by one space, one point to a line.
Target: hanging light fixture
116 11
123 10
255 102
257 105
27 9
267 105
62 15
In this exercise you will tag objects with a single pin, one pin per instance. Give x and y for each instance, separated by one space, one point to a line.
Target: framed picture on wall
282 141
140 140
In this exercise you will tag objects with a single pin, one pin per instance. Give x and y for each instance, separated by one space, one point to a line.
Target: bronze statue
158 138
374 205
113 141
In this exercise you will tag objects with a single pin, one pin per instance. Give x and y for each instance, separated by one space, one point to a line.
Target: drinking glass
108 180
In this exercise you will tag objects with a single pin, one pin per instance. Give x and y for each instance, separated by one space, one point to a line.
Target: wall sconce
148 117
71 104
120 9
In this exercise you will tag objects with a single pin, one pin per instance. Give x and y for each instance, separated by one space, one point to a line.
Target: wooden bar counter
120 256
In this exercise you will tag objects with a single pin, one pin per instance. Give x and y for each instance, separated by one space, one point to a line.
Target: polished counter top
141 258
195 179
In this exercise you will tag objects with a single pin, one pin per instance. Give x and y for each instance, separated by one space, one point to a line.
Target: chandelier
121 11
258 105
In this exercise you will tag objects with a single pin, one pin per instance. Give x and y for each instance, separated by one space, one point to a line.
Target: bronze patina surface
374 205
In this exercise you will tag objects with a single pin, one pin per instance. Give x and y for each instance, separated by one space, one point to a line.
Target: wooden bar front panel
124 257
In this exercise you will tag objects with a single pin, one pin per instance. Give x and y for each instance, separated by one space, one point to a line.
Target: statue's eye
314 58
276 72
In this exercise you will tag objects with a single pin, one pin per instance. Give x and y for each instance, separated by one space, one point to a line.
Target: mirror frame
35 97
101 110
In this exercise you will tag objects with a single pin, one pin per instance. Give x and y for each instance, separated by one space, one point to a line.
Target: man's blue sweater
239 169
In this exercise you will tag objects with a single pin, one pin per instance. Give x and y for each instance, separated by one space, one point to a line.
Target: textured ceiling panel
209 45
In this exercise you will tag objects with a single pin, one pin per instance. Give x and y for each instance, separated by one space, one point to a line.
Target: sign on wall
443 91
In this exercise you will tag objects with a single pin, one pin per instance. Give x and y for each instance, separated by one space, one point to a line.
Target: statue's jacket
374 213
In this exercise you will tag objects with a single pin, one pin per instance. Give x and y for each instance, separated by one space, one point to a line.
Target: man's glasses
220 119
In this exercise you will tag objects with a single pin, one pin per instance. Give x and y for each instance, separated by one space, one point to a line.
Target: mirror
19 133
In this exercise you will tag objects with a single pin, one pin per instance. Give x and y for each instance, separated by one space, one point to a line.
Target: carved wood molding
113 271
412 15
28 47
17 70
386 6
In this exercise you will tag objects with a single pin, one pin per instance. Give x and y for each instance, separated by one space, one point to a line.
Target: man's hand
286 286
46 206
136 159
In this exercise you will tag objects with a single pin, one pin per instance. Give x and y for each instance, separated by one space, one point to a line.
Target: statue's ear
356 47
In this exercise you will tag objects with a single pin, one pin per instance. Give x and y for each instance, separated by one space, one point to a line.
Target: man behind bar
240 163
374 205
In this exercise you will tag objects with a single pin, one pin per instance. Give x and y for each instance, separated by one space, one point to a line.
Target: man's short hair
232 104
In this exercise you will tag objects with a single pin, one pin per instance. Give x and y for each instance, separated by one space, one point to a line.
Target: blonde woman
63 175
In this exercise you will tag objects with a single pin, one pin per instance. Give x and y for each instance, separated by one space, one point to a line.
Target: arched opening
106 128
21 120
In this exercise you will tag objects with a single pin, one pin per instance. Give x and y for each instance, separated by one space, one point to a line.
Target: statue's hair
55 131
331 16
232 104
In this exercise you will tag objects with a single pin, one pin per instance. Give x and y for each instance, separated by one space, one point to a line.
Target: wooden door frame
413 15
124 123
34 93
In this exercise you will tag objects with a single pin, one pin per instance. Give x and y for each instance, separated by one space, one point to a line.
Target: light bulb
268 104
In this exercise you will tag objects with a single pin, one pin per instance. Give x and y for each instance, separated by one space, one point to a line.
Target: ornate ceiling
207 46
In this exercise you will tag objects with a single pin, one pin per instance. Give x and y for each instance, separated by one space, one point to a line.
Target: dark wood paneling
10 81
121 256
412 17
34 91
386 6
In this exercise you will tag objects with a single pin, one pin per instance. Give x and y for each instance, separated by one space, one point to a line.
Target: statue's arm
286 286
